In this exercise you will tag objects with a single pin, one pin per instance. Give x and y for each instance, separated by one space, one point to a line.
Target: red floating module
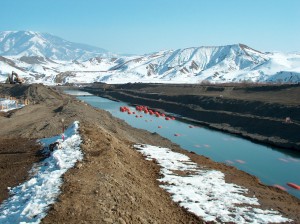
240 161
280 187
297 187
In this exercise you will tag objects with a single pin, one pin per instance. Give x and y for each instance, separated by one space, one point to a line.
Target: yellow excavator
14 78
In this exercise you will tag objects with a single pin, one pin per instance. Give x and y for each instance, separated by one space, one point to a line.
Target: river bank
114 183
265 114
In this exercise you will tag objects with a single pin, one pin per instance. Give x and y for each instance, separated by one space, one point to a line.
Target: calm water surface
271 165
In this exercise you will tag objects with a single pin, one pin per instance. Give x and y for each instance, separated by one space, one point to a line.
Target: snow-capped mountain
231 63
209 63
216 64
28 43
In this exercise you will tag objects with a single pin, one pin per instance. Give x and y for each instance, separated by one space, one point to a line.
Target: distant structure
288 120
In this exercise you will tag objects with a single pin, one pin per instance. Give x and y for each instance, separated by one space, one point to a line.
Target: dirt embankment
256 112
16 157
114 183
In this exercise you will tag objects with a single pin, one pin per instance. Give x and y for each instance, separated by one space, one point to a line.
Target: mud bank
257 113
113 183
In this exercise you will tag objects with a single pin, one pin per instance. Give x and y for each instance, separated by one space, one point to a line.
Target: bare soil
114 183
16 157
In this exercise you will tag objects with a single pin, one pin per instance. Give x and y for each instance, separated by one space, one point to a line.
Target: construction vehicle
14 78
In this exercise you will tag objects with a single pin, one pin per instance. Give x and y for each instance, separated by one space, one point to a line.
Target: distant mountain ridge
29 43
215 64
38 58
195 60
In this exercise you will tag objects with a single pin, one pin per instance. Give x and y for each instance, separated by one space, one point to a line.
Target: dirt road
114 183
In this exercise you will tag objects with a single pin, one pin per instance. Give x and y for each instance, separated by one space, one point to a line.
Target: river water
273 166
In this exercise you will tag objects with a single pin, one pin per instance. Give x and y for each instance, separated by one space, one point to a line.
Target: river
273 166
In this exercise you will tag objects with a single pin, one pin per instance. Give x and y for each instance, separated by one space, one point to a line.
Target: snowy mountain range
28 43
44 58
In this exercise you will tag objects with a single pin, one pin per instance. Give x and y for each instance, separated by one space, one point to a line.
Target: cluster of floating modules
146 110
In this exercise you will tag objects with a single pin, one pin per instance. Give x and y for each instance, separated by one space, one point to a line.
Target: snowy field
7 105
30 201
205 192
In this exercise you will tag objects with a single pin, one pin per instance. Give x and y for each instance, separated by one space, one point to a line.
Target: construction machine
14 78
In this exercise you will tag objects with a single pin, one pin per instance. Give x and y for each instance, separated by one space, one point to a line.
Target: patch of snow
205 192
30 201
7 105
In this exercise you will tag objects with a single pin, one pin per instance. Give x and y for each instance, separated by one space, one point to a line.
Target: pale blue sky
144 26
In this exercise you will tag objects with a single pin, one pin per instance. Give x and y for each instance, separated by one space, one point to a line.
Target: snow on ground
29 202
205 192
7 105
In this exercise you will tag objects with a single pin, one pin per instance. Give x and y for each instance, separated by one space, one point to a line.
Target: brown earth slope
113 184
16 157
254 112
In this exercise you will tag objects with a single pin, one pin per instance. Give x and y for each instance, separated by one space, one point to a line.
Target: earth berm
114 183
